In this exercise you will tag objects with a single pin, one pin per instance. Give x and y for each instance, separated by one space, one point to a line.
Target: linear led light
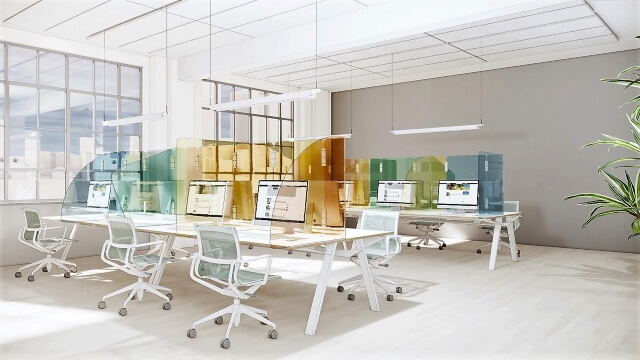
136 119
437 129
339 136
298 95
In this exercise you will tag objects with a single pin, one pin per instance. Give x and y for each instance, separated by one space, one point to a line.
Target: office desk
328 238
497 220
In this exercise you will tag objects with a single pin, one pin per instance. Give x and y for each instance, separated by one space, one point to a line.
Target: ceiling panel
198 9
385 48
292 66
530 33
438 66
551 48
151 4
301 16
256 11
100 18
311 73
541 41
487 28
190 31
201 44
372 2
11 7
48 13
153 24
348 81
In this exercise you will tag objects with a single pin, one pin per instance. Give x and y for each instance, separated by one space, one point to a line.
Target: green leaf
631 68
604 213
625 82
635 226
617 161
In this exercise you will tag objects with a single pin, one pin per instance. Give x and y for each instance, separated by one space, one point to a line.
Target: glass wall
52 107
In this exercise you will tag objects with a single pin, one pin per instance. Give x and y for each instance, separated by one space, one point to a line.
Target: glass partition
427 171
491 183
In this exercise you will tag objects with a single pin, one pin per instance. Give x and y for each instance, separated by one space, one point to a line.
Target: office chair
34 235
379 253
119 251
426 227
509 206
218 266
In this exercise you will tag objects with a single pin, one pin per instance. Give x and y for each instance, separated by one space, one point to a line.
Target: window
51 110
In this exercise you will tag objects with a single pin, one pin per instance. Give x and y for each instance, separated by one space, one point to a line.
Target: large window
52 107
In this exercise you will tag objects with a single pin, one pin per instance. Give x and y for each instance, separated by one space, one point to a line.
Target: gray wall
538 116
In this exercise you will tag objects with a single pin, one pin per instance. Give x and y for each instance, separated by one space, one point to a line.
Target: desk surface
274 239
439 214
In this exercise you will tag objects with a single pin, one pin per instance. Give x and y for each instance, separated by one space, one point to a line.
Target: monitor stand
288 230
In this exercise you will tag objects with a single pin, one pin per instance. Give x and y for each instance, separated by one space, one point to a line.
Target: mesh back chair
218 266
120 250
379 253
426 227
509 206
34 235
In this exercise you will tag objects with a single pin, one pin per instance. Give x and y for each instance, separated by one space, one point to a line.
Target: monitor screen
99 194
396 193
281 201
209 198
456 194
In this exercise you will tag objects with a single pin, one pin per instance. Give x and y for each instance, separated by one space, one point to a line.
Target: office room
319 178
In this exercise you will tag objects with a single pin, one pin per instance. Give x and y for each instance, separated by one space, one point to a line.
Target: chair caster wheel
173 253
262 323
218 320
290 252
351 297
188 255
479 251
418 247
340 288
74 269
44 269
250 247
444 245
518 253
67 275
408 244
440 247
102 304
170 296
399 290
122 312
192 333
225 343
31 278
166 306
308 254
389 297
18 274
273 334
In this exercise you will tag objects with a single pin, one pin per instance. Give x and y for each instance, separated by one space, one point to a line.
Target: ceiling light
437 129
338 136
136 119
240 104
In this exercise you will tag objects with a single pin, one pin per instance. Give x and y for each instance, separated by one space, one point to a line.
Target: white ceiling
190 27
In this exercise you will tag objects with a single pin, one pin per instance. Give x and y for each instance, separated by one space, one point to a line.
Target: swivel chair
119 251
426 227
509 206
34 235
218 266
379 253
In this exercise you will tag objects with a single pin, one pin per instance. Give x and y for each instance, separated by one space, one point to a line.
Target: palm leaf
604 213
631 68
617 161
627 83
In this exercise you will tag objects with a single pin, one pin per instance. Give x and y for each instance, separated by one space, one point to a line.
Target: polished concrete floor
553 304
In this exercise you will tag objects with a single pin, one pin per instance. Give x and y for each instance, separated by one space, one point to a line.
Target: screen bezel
398 203
210 183
261 220
452 205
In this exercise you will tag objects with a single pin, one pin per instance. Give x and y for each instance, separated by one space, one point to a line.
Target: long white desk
497 220
328 238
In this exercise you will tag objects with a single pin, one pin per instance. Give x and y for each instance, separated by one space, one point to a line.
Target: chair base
236 310
500 245
377 280
426 239
49 262
139 288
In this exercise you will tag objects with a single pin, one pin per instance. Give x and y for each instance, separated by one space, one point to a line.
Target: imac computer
99 194
209 198
282 203
459 195
396 193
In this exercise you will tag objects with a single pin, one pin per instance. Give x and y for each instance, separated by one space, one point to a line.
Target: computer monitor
396 193
209 198
282 203
99 194
458 194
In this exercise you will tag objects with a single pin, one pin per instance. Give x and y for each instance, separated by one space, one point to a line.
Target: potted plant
625 198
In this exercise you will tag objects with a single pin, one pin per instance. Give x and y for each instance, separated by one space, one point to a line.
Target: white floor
553 303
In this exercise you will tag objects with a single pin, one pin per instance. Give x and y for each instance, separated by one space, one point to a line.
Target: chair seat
244 277
424 223
148 259
488 227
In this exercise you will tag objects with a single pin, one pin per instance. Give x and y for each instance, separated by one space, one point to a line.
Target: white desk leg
366 275
512 239
155 278
321 288
495 243
68 247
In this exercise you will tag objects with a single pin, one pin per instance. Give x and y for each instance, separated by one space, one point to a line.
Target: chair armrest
240 263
